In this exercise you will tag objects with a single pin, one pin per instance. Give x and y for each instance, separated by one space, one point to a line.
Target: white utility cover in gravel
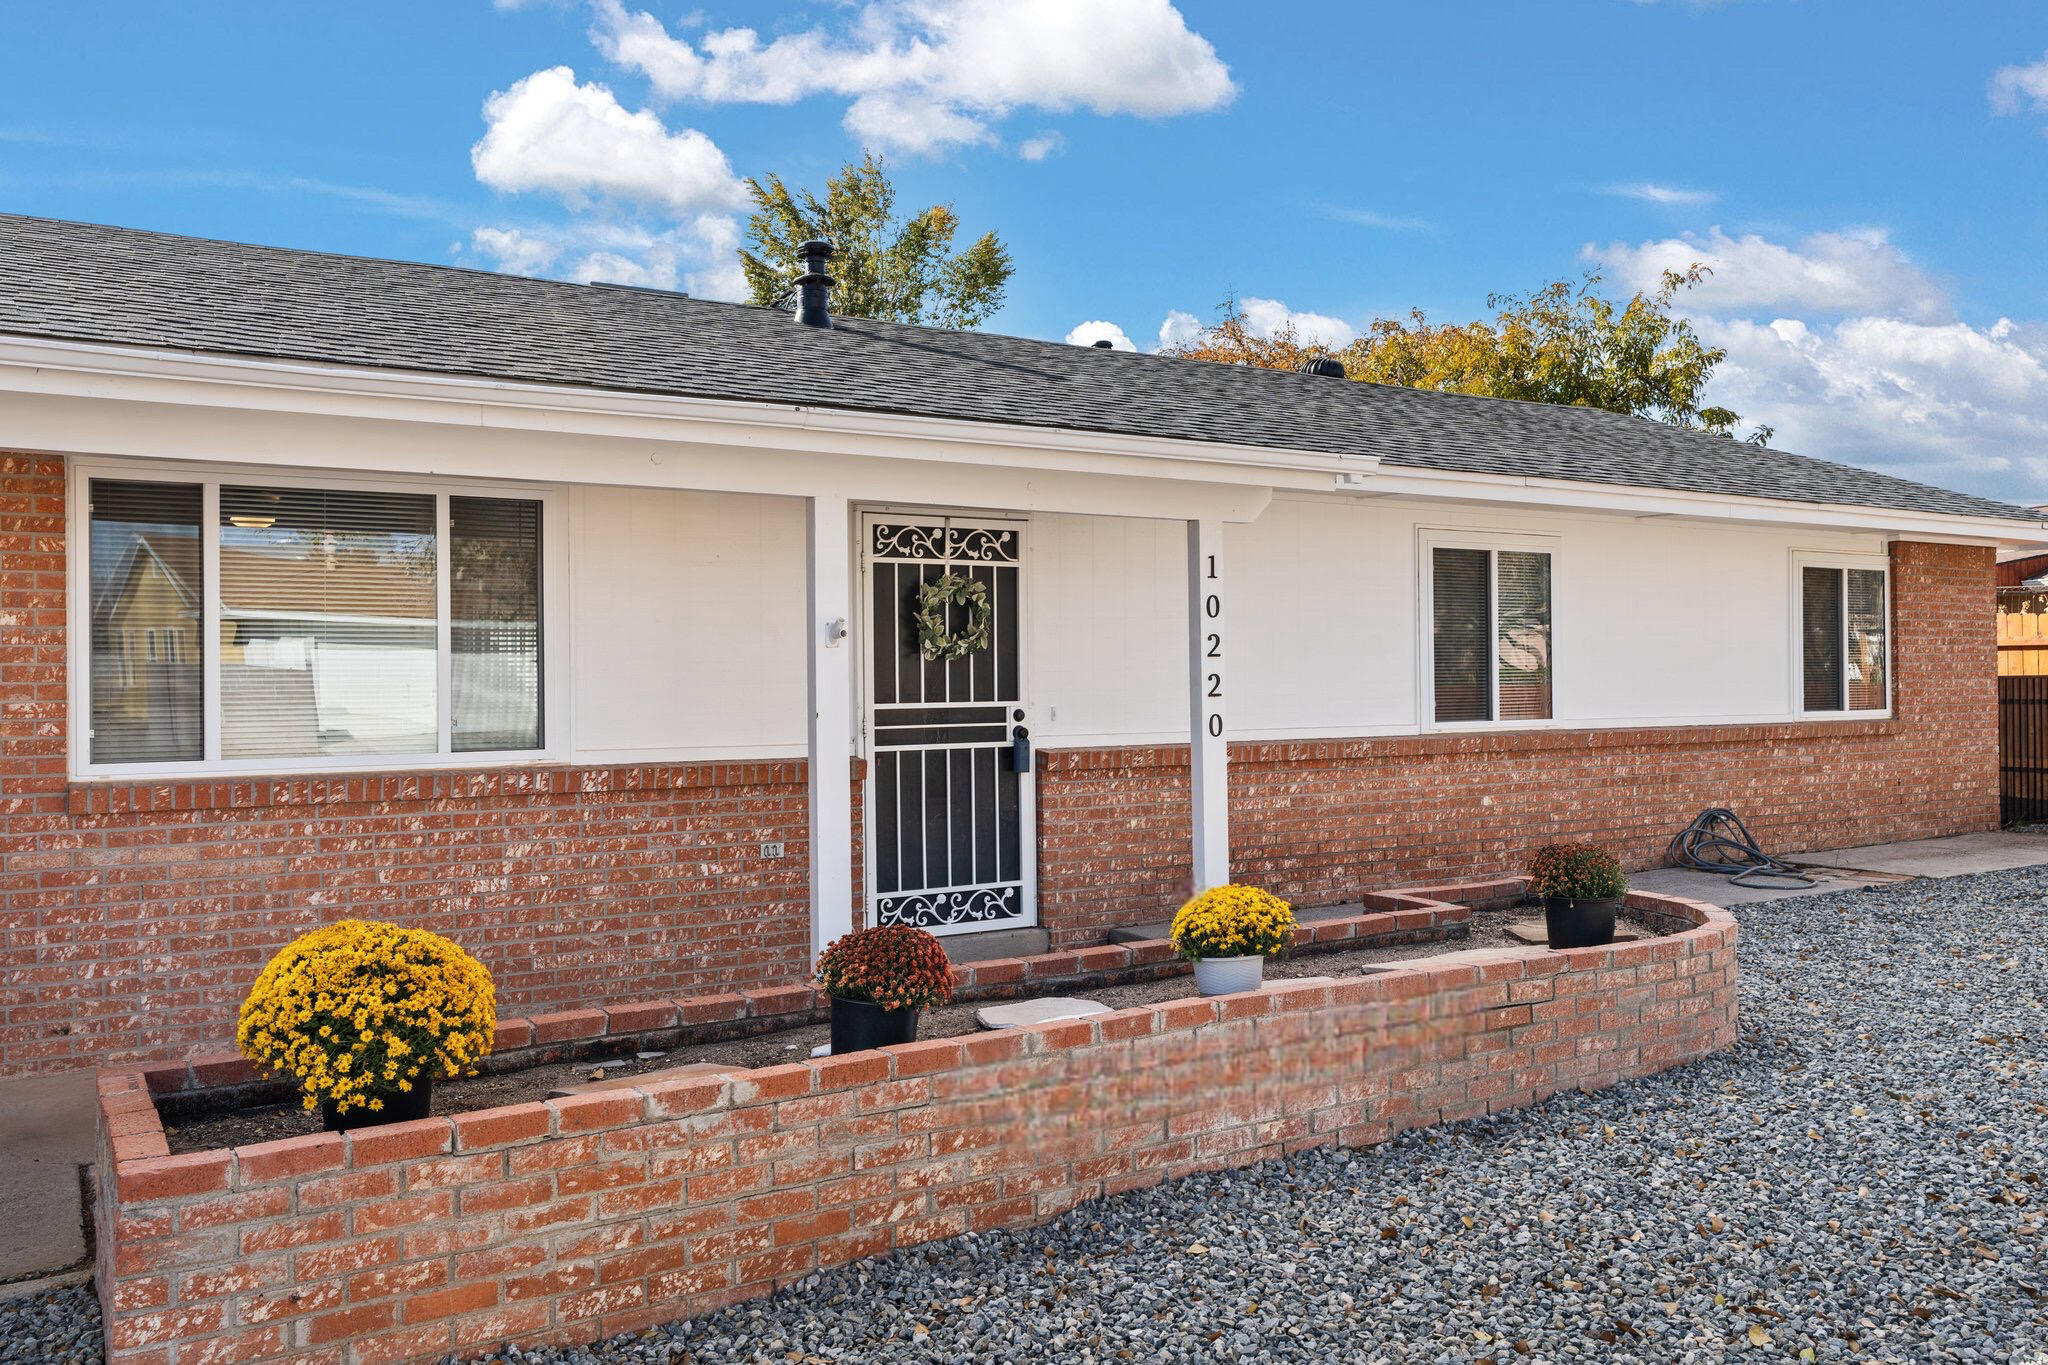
1048 1010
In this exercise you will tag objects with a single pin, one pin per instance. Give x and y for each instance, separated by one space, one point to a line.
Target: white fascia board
175 438
36 365
1396 481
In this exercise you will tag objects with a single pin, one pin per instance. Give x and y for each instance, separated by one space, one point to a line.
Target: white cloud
1266 317
1856 271
1263 318
550 133
1088 333
1945 403
2015 88
1040 147
696 258
926 74
1179 329
908 124
1668 195
1373 218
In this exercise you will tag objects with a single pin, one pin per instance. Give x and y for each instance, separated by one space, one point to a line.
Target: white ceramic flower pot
1228 975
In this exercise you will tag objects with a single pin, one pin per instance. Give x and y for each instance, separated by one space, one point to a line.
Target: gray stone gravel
1864 1177
61 1325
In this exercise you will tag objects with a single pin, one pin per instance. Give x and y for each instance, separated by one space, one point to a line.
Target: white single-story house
644 643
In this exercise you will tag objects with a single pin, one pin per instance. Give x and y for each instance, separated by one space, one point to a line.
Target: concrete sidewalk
1718 890
1851 869
1958 855
46 1138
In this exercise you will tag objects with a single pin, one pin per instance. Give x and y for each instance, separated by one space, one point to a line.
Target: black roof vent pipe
1326 365
811 286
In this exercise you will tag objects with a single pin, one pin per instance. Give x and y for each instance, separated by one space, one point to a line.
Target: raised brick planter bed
1422 915
578 1218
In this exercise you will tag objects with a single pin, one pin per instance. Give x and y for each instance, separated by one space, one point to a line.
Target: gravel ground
1862 1178
61 1325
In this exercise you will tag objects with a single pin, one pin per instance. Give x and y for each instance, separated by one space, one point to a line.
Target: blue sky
1868 177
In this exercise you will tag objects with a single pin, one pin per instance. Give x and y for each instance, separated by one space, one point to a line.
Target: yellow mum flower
361 1009
1233 921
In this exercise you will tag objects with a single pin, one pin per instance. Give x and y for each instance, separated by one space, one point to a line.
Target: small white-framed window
247 621
1842 625
1489 637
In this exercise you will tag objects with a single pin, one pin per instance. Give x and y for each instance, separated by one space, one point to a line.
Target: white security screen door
950 788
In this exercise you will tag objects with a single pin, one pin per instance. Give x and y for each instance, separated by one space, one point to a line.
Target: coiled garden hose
1717 841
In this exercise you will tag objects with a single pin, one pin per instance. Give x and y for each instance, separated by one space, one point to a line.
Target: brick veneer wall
1319 821
583 1217
134 916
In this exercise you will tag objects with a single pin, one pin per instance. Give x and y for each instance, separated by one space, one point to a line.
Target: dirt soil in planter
238 1127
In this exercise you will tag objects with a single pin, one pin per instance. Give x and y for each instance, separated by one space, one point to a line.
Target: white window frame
554 607
1428 541
1803 560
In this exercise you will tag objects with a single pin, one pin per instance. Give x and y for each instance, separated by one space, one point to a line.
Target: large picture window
1490 641
1844 639
255 624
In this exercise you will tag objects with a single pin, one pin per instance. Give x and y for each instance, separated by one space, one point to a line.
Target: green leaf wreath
934 603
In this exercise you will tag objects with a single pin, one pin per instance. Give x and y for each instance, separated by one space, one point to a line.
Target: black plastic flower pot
858 1025
1576 923
399 1105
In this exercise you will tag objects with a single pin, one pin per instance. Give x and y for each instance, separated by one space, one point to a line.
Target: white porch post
1208 752
829 613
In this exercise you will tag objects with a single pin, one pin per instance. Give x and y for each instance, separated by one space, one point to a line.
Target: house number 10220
1212 641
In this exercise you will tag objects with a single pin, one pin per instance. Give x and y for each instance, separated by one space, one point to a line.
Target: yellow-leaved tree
1565 343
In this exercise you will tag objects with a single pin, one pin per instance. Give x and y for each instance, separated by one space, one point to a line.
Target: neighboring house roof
351 584
355 584
176 556
82 282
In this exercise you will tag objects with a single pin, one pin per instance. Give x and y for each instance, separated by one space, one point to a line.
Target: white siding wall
1657 621
687 612
687 631
1107 656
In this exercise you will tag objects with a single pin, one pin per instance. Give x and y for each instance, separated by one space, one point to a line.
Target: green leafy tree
900 270
1565 343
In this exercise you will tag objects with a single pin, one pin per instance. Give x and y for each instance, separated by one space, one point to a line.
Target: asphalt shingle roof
83 282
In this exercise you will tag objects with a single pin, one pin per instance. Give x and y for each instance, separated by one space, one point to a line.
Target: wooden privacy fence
2022 747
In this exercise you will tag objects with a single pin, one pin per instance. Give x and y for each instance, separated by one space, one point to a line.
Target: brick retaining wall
578 1218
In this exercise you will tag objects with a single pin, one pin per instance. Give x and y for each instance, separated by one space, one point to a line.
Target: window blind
328 622
147 591
1867 664
494 627
1462 611
1523 649
1820 626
